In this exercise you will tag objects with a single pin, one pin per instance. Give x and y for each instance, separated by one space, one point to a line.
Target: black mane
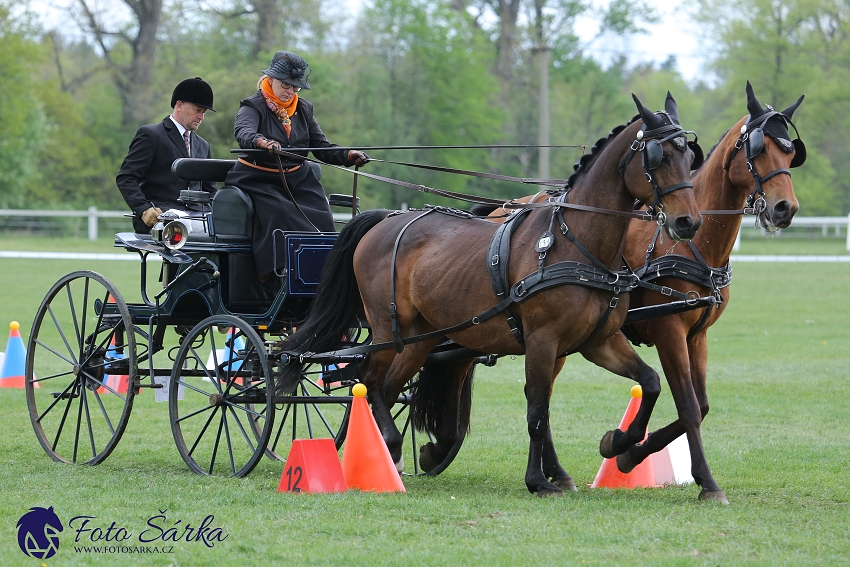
584 163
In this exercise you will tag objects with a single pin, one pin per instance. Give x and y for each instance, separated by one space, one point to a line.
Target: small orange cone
643 475
312 466
366 461
119 383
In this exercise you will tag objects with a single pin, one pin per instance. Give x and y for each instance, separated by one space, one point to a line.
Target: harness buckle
668 291
494 260
614 301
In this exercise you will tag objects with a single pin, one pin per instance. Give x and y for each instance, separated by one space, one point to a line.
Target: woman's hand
357 158
269 145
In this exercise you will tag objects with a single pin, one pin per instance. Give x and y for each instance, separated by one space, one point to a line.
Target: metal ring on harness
692 297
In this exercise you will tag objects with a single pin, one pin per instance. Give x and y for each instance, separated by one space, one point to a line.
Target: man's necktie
186 139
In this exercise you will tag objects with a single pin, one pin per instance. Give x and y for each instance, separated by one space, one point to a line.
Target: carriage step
64 395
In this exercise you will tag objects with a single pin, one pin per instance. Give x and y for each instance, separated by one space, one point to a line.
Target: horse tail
482 210
337 306
442 386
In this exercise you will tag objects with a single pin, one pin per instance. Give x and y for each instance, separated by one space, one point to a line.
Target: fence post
848 233
92 223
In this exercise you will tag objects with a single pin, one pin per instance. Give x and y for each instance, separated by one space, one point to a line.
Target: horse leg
386 386
539 365
617 355
686 377
441 406
551 466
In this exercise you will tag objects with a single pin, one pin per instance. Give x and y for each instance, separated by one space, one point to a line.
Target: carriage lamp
175 234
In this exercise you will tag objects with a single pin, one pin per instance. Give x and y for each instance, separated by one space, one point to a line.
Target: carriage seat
233 215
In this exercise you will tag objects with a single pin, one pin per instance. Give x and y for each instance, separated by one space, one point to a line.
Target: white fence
93 214
825 223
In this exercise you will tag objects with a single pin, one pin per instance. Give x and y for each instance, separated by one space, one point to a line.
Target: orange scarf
282 109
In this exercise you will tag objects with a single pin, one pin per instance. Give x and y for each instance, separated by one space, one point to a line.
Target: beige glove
357 158
149 217
265 144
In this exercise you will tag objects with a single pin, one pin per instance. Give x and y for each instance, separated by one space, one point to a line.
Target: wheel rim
79 338
221 415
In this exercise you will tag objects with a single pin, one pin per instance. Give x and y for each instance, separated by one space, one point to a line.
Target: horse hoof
550 492
716 495
567 484
606 445
426 462
399 465
625 464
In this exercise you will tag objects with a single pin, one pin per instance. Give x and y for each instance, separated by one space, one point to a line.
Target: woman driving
276 118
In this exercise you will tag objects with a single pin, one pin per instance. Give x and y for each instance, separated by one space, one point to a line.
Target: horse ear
672 108
790 110
650 120
754 107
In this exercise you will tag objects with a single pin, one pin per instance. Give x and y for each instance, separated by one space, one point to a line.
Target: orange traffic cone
119 383
312 466
643 475
14 363
366 461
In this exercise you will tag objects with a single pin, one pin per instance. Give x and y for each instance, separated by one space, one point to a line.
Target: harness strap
398 342
524 180
499 254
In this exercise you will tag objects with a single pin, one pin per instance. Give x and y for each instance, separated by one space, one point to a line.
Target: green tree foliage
786 48
23 127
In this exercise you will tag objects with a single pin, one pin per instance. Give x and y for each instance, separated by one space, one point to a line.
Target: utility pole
543 134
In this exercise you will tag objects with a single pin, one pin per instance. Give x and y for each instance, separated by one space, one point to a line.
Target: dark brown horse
428 273
755 177
725 183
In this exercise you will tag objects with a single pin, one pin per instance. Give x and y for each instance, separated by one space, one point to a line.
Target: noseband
752 140
648 143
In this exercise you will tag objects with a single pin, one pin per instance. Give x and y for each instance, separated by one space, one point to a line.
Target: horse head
661 177
763 168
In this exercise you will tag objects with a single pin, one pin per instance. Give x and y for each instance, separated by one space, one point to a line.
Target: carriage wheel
318 408
221 415
78 342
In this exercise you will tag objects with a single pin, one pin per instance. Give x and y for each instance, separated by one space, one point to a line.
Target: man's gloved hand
357 158
149 217
270 145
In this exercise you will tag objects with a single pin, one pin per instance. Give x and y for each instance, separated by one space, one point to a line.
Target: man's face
189 115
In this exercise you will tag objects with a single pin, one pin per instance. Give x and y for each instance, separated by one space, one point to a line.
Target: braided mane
584 163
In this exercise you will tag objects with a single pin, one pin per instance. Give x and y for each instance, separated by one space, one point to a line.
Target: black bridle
648 143
752 140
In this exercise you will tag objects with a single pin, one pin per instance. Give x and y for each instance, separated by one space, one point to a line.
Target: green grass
776 436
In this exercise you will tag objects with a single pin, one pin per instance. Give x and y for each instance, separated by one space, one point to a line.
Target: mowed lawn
776 438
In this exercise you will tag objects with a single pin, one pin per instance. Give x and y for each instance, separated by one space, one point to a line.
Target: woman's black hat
194 90
289 68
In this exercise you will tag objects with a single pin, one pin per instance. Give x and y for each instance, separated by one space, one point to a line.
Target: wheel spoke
66 373
104 412
85 401
229 443
59 429
204 428
41 344
241 427
73 314
61 332
217 441
83 317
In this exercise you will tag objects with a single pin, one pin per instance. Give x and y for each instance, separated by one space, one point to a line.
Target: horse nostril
781 209
684 225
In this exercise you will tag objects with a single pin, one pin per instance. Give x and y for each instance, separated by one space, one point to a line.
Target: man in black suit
145 178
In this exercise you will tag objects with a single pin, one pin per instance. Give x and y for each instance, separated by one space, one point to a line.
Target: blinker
755 143
800 155
653 153
699 157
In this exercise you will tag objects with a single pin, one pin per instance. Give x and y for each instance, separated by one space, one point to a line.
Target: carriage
204 343
249 372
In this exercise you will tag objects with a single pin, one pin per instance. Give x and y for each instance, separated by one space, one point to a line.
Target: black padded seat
233 215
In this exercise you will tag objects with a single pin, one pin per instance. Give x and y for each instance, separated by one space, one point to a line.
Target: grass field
776 438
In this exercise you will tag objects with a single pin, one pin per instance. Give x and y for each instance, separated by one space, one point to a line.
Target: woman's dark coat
273 208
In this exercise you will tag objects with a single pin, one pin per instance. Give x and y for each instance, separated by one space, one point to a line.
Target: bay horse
420 276
747 169
726 186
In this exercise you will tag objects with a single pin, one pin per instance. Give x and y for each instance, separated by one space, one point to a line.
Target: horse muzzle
683 227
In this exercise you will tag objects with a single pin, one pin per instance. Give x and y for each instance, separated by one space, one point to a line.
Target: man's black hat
289 68
194 90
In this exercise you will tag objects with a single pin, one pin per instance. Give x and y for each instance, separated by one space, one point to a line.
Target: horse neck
604 187
715 191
